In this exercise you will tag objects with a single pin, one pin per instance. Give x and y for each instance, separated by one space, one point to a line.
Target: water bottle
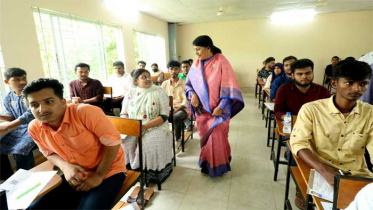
287 123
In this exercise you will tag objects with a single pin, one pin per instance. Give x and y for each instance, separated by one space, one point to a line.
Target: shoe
298 201
178 146
134 195
148 195
189 128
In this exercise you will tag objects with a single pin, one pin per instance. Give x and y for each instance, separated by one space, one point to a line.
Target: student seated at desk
332 134
266 70
277 71
85 89
283 78
17 116
85 146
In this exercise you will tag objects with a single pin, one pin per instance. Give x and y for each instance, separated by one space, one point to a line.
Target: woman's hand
217 112
144 127
195 100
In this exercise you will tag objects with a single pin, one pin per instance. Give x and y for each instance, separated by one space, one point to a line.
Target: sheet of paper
29 185
123 136
15 181
319 187
270 106
327 206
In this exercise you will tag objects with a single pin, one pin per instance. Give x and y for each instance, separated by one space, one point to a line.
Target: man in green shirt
185 66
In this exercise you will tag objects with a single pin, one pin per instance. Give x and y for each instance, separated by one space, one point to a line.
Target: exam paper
319 187
327 206
22 181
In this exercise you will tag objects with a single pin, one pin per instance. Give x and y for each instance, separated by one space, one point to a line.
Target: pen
29 190
340 171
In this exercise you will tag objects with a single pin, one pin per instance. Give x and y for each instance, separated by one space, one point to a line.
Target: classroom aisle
248 186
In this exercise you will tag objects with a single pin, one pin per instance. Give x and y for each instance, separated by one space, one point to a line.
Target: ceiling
199 11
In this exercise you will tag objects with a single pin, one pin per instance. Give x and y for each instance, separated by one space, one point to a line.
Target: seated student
149 103
185 66
266 70
17 142
329 69
276 72
158 73
291 96
84 89
85 146
283 78
141 64
332 134
121 82
175 87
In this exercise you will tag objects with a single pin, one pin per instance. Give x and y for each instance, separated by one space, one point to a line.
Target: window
150 48
3 88
65 40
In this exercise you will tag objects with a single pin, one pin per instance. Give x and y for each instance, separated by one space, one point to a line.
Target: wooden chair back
167 75
346 188
132 127
154 79
109 91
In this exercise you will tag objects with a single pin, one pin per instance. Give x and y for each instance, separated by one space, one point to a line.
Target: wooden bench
131 127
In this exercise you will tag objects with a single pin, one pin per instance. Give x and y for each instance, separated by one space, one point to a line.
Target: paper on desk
123 136
319 187
20 182
132 206
327 205
270 106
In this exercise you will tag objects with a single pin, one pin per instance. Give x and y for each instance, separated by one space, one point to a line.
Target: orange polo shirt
81 138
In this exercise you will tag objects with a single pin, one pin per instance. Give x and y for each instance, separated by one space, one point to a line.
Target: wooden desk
53 183
120 205
305 171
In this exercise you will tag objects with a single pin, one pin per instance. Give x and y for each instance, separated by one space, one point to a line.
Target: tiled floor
249 185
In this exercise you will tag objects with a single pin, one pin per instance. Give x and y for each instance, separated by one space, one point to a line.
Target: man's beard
155 70
302 85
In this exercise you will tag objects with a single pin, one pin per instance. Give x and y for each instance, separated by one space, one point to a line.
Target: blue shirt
283 79
18 141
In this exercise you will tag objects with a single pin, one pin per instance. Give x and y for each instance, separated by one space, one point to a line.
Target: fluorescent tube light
293 16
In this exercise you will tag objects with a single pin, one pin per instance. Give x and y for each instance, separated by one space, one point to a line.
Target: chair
346 188
183 139
167 75
154 79
131 127
171 119
109 91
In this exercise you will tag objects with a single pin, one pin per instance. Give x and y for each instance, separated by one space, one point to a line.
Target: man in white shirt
121 82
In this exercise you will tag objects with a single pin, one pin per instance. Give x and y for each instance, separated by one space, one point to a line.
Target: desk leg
273 138
269 127
263 101
260 93
308 204
277 161
287 183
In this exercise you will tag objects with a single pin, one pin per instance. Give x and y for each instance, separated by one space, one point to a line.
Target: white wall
247 43
19 40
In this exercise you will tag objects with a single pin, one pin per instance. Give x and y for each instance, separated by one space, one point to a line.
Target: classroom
187 104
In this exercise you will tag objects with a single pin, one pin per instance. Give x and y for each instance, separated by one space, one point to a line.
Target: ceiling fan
221 12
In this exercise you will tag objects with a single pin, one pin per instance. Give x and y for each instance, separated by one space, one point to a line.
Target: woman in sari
149 103
215 95
159 74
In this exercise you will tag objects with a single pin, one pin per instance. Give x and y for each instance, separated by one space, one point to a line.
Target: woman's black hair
206 41
138 72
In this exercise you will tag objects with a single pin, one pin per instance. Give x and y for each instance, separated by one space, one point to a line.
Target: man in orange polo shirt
82 142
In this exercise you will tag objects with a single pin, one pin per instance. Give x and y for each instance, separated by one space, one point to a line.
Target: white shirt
268 82
363 199
367 58
121 85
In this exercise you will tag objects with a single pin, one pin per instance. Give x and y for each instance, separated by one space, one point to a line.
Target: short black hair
82 65
335 57
302 63
39 84
289 58
154 64
350 59
14 72
185 62
118 63
173 64
353 70
269 59
142 62
190 60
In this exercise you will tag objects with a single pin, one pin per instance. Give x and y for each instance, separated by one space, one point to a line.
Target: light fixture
220 12
293 16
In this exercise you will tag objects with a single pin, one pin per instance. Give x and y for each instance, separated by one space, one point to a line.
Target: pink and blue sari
215 83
